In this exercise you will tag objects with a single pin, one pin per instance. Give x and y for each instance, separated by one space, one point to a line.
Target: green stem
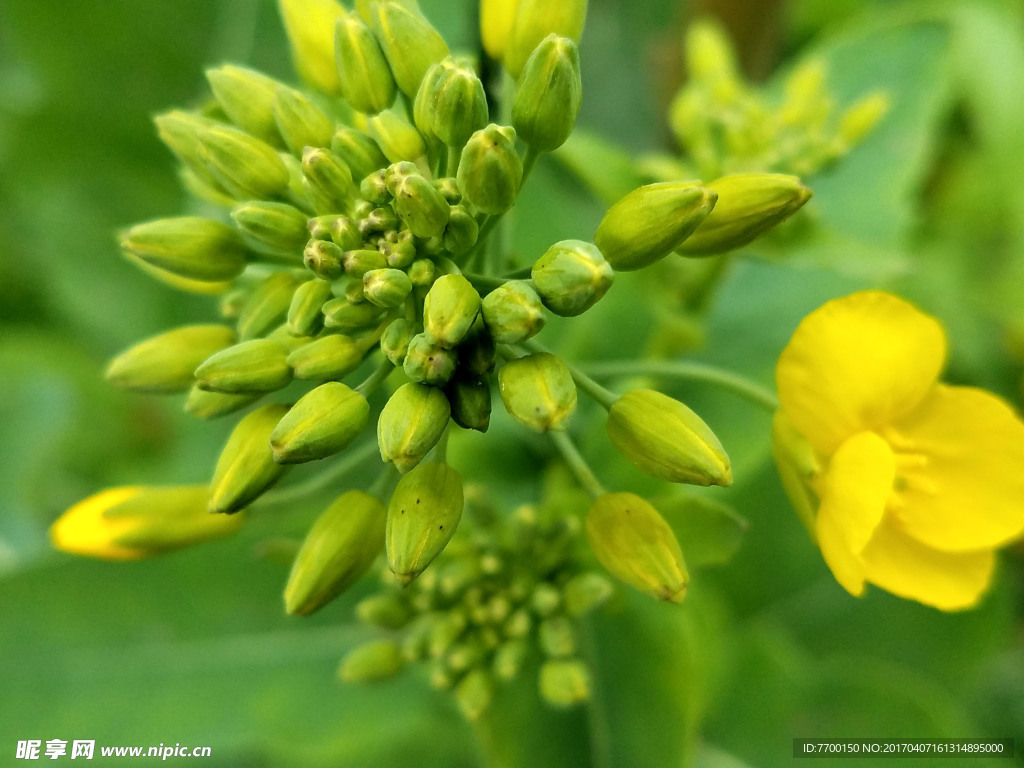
347 463
454 155
702 294
602 395
484 282
520 274
376 378
577 464
528 162
733 382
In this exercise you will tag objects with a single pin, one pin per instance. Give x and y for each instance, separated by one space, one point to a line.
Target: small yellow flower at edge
906 483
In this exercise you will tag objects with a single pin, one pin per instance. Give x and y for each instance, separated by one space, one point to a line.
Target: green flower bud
287 339
548 94
341 315
470 399
345 233
397 139
358 263
371 662
366 80
519 624
460 105
400 254
247 98
665 439
305 315
571 277
425 103
378 221
476 352
490 169
564 682
535 20
474 694
374 189
397 172
188 246
247 168
386 611
275 228
648 223
586 591
422 273
421 207
557 638
310 28
246 467
179 131
860 118
395 341
339 548
257 365
409 42
324 421
326 180
422 516
513 312
449 309
538 391
386 287
635 544
509 659
211 405
165 363
329 357
358 151
461 232
427 362
749 204
411 423
324 259
545 600
301 123
266 306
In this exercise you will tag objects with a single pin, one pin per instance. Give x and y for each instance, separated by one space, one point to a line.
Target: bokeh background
194 647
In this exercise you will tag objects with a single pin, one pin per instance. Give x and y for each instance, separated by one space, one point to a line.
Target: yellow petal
854 491
961 472
310 28
857 363
949 581
85 530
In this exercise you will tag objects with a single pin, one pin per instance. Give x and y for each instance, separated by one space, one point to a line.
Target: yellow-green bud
461 232
246 467
665 439
399 254
411 423
426 99
535 20
470 399
586 591
359 152
460 105
257 365
310 28
422 516
371 662
860 118
427 362
326 180
188 246
564 682
538 391
422 273
490 169
374 189
366 80
358 263
509 659
571 277
749 204
386 287
211 405
548 94
546 599
383 610
421 207
409 42
324 259
247 98
476 352
496 20
397 139
301 122
165 363
635 544
287 339
395 341
341 315
249 169
179 131
305 315
397 172
266 306
448 186
339 548
513 312
474 693
449 309
345 233
324 421
647 224
556 637
329 357
276 228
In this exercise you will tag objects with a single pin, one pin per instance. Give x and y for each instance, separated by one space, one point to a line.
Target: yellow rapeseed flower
905 483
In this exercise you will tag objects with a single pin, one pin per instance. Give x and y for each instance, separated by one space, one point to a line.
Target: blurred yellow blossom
906 483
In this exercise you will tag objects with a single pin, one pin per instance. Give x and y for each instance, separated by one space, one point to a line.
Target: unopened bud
246 467
384 610
397 139
343 316
474 693
422 272
165 363
460 105
461 232
188 246
330 357
422 516
538 391
386 287
212 405
247 98
400 254
858 120
571 277
470 399
490 169
557 638
428 362
371 662
411 423
324 421
564 682
345 233
305 313
409 42
276 228
324 259
267 306
374 189
301 122
395 341
425 103
749 204
548 94
359 262
326 180
476 352
535 20
249 169
421 207
449 309
513 312
586 591
310 28
647 224
496 20
635 544
366 80
257 365
339 548
358 151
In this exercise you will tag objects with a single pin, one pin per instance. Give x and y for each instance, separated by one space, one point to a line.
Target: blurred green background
194 647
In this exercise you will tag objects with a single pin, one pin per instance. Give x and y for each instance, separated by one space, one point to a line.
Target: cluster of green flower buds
503 600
